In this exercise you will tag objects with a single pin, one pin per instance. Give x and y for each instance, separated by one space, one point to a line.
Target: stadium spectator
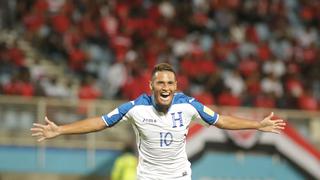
200 38
88 88
307 101
54 88
226 98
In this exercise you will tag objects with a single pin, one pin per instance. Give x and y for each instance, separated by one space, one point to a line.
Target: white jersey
161 138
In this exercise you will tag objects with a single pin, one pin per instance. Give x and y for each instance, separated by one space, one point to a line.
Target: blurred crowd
252 53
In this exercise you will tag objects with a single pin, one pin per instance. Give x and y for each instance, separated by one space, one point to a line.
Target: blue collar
157 107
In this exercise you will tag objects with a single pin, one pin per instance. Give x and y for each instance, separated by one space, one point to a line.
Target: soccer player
161 122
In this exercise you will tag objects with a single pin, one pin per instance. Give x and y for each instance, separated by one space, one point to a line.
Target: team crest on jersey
177 119
208 111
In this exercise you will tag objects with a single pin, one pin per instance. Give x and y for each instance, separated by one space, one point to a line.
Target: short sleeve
206 114
120 113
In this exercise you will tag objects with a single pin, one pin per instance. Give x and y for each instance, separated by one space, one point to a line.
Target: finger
41 139
47 120
39 125
279 127
36 129
281 124
37 134
278 120
270 115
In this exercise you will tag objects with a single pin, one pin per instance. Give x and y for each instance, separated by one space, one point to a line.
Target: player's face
163 87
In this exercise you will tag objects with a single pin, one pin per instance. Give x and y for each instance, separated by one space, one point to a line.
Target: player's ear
150 85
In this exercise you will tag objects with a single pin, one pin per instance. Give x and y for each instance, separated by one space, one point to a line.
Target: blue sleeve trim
205 113
117 114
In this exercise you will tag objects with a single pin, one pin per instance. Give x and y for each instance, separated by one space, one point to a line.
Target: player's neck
161 108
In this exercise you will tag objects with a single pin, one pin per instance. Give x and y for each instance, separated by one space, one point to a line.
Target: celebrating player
161 122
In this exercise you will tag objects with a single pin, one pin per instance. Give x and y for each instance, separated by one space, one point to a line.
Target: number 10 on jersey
166 139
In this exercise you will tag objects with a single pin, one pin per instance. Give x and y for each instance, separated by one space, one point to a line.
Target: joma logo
147 120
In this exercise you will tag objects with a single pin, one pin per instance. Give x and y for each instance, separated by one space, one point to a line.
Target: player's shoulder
181 98
143 99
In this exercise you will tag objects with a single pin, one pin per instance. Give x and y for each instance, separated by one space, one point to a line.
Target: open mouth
164 96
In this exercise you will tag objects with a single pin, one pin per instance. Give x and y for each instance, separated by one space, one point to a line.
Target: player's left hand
269 124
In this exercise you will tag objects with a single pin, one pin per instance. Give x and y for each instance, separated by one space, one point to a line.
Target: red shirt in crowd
205 98
264 101
16 56
307 102
60 23
77 59
26 89
33 21
248 66
136 85
227 99
19 88
89 92
264 52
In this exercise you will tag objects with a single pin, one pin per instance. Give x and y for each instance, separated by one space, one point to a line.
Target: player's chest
174 120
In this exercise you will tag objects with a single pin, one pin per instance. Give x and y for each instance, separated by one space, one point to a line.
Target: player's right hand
42 132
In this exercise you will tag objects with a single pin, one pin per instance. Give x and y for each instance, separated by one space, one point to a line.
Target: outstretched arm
267 124
51 130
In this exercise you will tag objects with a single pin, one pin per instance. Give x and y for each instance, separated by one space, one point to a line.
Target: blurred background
71 59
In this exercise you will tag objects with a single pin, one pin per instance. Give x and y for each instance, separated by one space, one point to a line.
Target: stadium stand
250 55
265 52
